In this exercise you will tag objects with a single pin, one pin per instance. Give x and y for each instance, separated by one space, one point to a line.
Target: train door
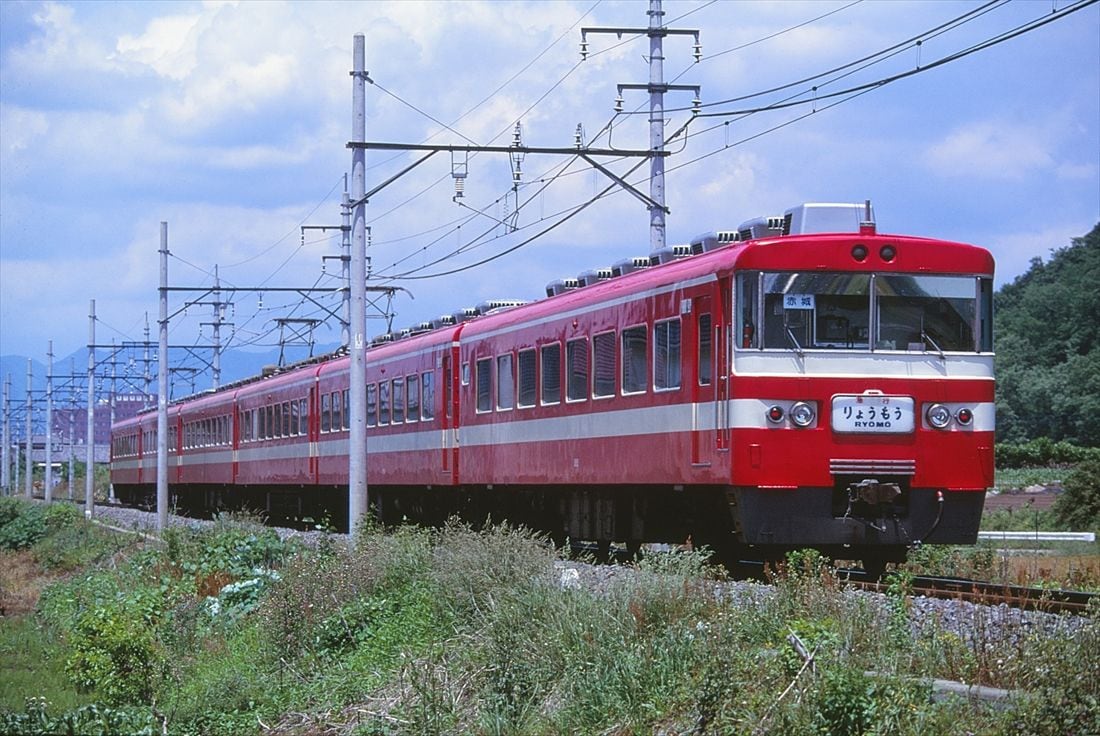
314 428
449 415
710 380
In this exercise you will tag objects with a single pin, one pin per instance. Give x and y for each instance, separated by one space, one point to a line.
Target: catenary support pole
358 498
114 392
5 450
47 476
72 426
28 438
656 127
216 363
162 386
89 468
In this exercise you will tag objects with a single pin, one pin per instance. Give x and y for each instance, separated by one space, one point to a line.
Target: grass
1015 479
462 630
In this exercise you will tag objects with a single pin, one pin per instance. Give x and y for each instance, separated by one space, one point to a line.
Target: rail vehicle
801 381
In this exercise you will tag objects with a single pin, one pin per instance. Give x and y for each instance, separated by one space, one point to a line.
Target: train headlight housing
939 416
964 416
803 414
775 414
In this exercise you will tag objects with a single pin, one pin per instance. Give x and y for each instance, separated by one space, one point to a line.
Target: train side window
747 310
288 427
551 373
603 365
303 415
666 355
427 407
398 400
466 373
295 418
706 349
372 404
635 346
412 408
277 429
337 410
506 382
347 408
576 366
326 412
484 384
383 402
528 389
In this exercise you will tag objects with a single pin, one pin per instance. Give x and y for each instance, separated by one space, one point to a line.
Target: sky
229 121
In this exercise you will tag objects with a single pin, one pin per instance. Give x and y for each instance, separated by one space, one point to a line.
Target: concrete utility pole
48 475
148 378
72 426
29 438
114 392
656 89
5 451
89 470
358 493
162 387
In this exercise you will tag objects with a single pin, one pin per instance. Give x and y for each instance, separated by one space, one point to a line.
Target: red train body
830 390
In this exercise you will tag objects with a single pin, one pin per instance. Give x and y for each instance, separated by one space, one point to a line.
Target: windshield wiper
794 340
925 337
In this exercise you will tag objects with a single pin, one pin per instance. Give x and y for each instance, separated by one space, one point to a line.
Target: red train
803 381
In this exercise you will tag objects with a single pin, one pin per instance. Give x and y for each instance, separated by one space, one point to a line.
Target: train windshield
860 311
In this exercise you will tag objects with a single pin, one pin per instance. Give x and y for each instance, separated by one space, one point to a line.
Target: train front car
861 411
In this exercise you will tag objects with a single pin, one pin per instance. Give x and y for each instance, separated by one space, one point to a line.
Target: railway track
986 593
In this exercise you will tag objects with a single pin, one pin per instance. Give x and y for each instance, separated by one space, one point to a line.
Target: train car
801 381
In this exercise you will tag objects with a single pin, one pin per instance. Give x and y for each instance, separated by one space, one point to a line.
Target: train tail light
775 414
964 416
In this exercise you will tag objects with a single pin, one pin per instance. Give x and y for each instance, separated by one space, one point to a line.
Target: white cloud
991 150
168 45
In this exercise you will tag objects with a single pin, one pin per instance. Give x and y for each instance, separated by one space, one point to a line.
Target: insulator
460 185
517 136
696 106
584 50
517 173
578 136
619 103
697 51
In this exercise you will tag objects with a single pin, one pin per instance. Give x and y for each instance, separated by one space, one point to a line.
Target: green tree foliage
1047 325
1079 506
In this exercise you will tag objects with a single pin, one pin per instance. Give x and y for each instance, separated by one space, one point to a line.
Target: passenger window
666 354
551 373
372 404
427 407
634 359
326 412
527 385
412 387
398 400
383 402
576 360
506 382
603 365
484 384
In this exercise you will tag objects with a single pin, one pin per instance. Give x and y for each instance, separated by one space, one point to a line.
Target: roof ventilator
709 241
560 286
629 265
829 217
669 254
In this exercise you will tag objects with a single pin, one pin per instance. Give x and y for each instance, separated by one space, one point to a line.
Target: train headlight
939 416
775 414
964 416
803 414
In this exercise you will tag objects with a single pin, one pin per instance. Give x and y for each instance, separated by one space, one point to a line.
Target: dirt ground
21 582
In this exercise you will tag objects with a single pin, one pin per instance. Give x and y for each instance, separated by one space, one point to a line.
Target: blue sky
229 121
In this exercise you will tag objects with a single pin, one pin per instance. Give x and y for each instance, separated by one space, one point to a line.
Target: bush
24 524
1041 452
1079 505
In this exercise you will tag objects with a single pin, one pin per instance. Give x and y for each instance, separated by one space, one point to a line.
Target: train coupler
873 493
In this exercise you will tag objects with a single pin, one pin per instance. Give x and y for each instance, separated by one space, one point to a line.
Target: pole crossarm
565 150
645 199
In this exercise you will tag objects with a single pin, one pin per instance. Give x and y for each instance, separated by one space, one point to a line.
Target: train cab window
706 349
427 407
666 355
347 408
635 347
551 373
922 313
484 384
506 382
603 365
326 412
398 395
383 402
412 387
804 311
576 366
372 404
528 389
